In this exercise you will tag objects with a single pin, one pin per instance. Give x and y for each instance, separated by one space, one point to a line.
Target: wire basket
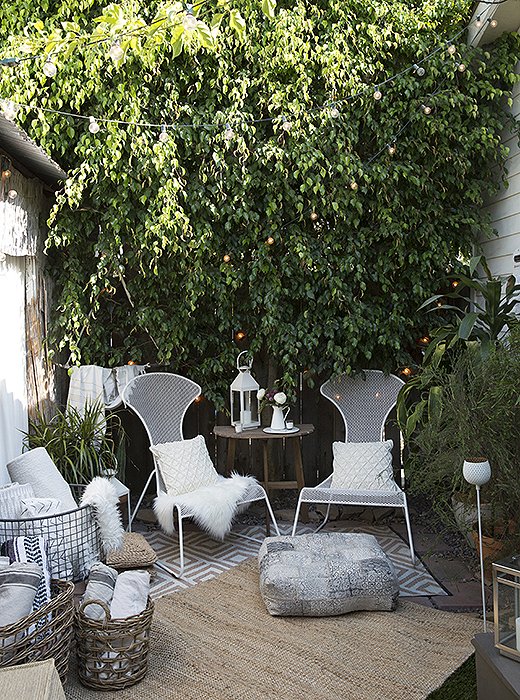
112 654
47 633
73 539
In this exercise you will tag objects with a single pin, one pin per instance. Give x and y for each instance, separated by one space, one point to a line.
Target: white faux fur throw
101 494
212 507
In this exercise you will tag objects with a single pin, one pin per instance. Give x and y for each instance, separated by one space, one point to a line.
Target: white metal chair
161 400
364 401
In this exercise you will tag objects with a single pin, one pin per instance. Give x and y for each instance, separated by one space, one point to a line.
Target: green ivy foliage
139 232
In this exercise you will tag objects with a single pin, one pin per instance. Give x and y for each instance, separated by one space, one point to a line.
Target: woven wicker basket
47 633
112 654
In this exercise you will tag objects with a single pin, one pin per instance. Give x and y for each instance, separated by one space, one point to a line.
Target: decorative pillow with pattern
185 465
11 500
363 466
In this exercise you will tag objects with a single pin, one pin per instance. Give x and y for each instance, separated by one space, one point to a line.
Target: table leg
230 460
266 484
300 479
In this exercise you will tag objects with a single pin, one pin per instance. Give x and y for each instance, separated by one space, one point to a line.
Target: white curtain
13 392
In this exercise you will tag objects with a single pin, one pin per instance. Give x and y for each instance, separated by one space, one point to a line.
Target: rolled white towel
130 594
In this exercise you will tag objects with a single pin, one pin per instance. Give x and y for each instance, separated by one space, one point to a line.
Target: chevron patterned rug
206 558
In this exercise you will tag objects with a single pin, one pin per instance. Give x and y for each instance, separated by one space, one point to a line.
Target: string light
354 186
424 340
461 67
226 258
49 68
426 109
199 398
270 240
452 49
10 109
478 22
93 126
418 70
116 51
189 22
286 124
163 134
377 94
493 23
455 284
12 194
334 111
392 148
240 335
229 134
407 371
313 216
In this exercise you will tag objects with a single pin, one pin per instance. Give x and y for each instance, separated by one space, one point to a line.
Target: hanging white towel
130 594
91 384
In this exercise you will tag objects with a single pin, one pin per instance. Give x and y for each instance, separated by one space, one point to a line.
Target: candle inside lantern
246 417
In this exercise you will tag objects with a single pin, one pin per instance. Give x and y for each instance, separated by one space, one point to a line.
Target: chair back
364 402
161 400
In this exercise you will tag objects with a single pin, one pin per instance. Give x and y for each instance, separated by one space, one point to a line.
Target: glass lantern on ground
244 397
506 603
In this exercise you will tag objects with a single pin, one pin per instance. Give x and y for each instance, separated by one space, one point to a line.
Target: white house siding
504 208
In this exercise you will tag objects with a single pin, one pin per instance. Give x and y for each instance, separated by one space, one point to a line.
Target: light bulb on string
426 109
334 111
93 126
226 258
189 21
270 240
229 134
240 335
12 194
313 216
461 67
478 22
392 148
418 70
406 371
354 186
377 94
493 23
452 49
10 109
163 135
49 68
286 124
116 51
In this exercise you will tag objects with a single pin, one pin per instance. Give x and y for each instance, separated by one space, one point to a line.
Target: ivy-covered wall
163 251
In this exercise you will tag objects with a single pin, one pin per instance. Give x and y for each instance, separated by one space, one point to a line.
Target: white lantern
244 397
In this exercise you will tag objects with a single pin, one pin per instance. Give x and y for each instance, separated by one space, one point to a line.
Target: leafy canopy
142 230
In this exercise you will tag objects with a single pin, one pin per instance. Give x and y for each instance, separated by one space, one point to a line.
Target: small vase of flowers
277 400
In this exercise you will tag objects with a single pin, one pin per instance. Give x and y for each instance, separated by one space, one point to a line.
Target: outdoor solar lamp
245 413
506 604
478 472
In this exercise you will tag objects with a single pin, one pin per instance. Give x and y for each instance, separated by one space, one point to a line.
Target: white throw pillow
185 465
363 466
11 500
40 507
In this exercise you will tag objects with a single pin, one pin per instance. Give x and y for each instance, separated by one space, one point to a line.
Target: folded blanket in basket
18 585
100 586
32 550
130 594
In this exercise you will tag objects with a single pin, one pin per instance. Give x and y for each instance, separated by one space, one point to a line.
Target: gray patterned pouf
326 574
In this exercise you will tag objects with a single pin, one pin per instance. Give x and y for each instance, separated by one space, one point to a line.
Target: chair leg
409 530
271 514
132 515
325 519
169 570
296 515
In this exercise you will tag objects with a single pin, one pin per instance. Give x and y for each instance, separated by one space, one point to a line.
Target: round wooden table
228 432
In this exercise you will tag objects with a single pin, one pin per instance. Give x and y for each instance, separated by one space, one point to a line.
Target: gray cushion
326 574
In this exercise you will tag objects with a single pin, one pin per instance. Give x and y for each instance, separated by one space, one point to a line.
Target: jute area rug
216 641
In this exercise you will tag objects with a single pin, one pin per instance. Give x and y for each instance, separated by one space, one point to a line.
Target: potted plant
82 445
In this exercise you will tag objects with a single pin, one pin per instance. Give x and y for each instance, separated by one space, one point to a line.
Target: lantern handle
243 367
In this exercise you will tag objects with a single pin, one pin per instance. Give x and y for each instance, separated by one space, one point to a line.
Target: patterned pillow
363 466
11 500
185 466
